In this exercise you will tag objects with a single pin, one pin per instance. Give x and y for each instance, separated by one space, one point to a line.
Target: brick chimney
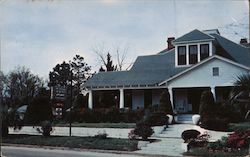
170 44
243 41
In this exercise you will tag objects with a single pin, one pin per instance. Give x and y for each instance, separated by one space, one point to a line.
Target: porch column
170 91
213 92
121 98
90 100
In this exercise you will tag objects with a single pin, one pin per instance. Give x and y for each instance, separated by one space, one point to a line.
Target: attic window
193 54
215 71
204 51
182 55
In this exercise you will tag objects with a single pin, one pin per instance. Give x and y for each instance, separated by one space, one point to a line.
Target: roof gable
194 35
203 62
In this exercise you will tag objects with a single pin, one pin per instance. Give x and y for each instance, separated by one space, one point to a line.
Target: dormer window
182 55
193 54
204 51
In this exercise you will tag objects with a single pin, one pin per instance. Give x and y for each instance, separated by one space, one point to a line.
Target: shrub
46 127
39 110
234 142
217 145
188 135
200 141
99 115
206 103
113 115
132 135
132 116
143 130
239 139
102 135
214 123
156 119
165 103
229 112
80 101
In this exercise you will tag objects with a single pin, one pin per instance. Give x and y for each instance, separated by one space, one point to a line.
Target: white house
192 63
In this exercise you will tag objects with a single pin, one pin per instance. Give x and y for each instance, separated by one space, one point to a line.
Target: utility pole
71 100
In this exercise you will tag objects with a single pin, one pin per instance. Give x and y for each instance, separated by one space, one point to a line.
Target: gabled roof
203 62
194 35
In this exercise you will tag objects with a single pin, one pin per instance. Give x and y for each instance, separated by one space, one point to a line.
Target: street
9 151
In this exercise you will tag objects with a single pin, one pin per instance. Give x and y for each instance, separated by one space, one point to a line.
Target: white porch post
90 100
121 98
170 91
213 92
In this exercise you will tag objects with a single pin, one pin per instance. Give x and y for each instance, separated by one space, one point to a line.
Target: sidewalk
76 131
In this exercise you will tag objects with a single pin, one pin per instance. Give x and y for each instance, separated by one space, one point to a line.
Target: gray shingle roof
153 69
147 70
193 36
238 52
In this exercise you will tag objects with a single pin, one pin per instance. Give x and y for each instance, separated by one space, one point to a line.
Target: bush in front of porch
165 103
215 115
106 115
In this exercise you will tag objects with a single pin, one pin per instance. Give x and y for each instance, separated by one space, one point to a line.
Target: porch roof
147 70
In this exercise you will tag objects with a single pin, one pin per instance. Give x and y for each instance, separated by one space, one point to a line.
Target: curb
82 149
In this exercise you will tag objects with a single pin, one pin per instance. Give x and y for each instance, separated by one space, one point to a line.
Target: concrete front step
185 118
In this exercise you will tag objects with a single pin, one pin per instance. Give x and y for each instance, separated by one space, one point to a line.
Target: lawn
73 142
98 125
239 126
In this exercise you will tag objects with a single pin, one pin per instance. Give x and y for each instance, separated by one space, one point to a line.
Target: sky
39 34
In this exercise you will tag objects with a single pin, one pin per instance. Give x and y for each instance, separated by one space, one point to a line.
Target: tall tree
104 57
81 72
61 75
108 64
2 86
22 86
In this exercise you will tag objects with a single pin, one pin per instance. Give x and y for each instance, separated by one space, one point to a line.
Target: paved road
39 152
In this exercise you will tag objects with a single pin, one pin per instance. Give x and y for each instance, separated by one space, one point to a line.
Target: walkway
76 131
171 143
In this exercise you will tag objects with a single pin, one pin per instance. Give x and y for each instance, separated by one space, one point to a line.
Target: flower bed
235 144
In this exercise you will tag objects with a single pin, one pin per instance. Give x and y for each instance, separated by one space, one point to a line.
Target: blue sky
39 34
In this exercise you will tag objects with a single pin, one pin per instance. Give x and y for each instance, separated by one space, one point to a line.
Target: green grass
239 126
73 142
206 153
98 125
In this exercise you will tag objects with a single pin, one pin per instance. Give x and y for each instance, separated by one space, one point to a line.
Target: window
182 55
193 54
204 51
215 71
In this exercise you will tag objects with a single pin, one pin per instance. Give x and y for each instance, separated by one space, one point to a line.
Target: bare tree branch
120 52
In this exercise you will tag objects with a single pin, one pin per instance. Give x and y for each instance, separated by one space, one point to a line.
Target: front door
181 101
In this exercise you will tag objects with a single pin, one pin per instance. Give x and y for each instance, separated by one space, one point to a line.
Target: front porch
124 98
183 100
